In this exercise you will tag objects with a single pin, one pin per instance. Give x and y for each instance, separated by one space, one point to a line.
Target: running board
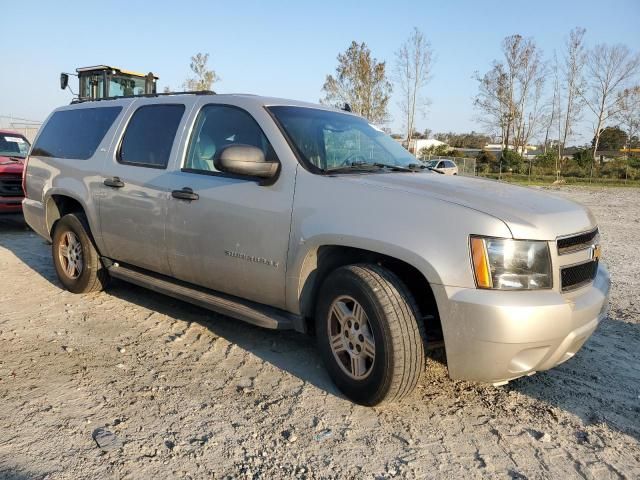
245 310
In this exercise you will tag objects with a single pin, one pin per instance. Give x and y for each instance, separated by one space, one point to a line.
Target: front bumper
496 336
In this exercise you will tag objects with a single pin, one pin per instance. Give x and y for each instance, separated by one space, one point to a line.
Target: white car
446 167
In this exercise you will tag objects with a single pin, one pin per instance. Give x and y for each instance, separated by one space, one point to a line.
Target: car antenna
346 107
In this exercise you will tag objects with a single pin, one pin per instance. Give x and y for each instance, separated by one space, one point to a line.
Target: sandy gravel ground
189 394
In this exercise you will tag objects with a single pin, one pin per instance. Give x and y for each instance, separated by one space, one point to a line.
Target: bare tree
493 101
608 69
361 82
571 83
552 117
204 78
413 65
628 114
510 93
529 71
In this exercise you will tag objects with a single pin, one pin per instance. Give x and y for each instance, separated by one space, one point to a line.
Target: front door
135 189
234 237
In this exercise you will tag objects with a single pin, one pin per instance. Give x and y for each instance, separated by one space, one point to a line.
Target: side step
245 310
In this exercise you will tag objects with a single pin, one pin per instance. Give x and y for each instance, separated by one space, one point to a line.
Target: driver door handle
113 182
185 194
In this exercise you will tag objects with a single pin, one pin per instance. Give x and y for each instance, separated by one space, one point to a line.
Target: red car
13 152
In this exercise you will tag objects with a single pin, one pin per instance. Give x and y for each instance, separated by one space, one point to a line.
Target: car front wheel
369 334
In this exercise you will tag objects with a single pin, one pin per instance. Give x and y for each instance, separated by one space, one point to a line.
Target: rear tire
369 334
75 257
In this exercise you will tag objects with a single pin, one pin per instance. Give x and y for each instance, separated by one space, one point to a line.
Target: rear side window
149 136
75 133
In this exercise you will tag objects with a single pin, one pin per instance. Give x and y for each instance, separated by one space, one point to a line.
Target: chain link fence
615 171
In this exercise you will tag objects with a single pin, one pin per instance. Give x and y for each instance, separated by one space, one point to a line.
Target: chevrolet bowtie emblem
595 252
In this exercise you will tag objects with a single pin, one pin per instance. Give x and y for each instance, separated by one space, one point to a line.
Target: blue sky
284 48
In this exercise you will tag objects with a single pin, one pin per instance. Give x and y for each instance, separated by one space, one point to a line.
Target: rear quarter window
75 134
150 134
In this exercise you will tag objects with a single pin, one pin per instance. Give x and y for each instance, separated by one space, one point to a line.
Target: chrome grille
581 241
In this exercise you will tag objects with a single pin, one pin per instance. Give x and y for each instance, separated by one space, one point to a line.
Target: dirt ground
190 394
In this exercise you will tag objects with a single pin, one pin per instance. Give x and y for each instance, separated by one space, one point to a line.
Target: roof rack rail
144 95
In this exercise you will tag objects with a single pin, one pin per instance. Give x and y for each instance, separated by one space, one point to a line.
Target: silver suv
296 216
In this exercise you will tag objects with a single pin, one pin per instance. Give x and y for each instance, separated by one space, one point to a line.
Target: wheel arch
320 261
58 205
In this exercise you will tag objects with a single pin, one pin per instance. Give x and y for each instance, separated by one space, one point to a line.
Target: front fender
305 262
430 234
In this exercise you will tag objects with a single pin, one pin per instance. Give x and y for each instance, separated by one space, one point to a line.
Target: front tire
369 334
75 257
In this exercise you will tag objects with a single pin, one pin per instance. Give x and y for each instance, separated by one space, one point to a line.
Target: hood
9 165
529 213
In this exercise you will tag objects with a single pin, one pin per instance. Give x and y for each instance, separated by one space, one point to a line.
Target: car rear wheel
369 335
75 257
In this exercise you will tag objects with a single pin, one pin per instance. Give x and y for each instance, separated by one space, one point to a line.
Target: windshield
13 145
333 140
432 163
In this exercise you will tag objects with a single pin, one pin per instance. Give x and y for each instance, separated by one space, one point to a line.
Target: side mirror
245 160
64 81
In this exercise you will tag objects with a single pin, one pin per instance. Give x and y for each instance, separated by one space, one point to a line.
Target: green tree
583 156
485 161
512 160
611 138
360 81
203 77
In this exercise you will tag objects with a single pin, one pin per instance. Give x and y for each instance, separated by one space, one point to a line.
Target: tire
392 326
83 276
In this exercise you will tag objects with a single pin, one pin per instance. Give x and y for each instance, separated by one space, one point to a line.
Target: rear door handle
185 194
113 182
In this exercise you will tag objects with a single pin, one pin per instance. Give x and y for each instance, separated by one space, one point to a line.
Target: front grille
578 275
11 186
581 241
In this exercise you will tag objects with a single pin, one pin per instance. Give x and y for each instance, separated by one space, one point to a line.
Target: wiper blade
417 166
360 166
397 168
368 167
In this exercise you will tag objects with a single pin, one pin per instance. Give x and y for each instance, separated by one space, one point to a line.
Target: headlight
505 264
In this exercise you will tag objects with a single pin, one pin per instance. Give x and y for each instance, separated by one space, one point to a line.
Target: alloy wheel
70 255
351 338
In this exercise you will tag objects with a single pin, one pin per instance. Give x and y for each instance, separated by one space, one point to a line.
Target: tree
609 67
583 156
574 59
493 101
609 138
464 140
509 94
628 114
413 71
204 78
552 117
361 82
486 160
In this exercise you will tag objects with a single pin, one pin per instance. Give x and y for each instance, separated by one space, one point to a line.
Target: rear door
135 184
450 167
